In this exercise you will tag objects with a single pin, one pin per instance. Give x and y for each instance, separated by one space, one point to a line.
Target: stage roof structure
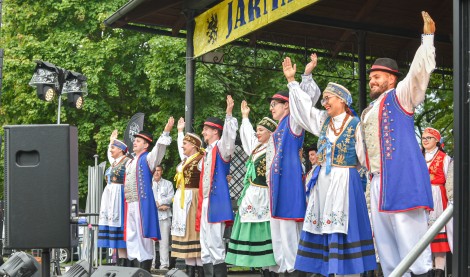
392 28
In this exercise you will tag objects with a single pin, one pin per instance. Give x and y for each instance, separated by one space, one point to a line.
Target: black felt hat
386 65
145 135
215 123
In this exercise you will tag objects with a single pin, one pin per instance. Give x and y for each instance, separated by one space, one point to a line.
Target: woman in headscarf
250 243
337 235
438 164
185 239
111 218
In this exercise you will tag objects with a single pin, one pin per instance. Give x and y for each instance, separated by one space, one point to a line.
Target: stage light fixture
21 264
76 88
48 80
80 269
45 92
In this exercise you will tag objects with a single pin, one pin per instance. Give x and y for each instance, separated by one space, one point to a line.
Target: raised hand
245 109
230 105
169 124
289 69
180 125
429 25
113 136
311 65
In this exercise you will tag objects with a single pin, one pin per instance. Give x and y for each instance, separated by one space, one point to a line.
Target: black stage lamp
76 88
80 269
21 264
47 79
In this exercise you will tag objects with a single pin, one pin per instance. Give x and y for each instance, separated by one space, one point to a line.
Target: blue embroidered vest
116 173
288 199
148 209
405 183
220 204
343 150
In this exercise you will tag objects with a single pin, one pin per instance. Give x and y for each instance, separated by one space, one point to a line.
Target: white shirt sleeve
226 143
170 192
179 141
155 157
411 91
360 146
110 158
302 108
248 136
447 161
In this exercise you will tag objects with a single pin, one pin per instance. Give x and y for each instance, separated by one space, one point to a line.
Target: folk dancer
400 187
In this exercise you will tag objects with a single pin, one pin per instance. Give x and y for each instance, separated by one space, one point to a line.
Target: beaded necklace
332 126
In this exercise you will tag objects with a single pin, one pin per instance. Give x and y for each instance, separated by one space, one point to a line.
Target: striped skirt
440 243
188 246
250 244
340 253
113 237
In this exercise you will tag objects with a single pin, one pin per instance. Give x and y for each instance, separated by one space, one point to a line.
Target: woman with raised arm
250 243
185 239
336 236
111 218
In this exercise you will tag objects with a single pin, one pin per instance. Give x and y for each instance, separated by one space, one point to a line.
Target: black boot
208 270
439 273
134 263
172 262
265 273
273 274
191 270
146 265
427 274
157 259
200 271
121 262
220 270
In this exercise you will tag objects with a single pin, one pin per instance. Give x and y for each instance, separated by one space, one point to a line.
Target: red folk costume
438 162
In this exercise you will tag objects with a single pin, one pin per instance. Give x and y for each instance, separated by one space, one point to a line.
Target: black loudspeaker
41 186
119 271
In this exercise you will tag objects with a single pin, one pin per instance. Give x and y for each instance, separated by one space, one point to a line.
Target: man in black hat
400 187
214 203
141 212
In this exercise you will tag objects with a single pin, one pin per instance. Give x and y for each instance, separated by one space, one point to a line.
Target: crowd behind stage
288 221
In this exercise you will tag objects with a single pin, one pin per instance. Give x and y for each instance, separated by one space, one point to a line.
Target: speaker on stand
41 187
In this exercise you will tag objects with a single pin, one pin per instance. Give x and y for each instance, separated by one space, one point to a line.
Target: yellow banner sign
232 19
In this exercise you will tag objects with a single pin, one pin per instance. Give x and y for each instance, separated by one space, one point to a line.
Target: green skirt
250 244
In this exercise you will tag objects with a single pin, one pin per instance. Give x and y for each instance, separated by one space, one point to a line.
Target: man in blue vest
400 186
141 227
214 203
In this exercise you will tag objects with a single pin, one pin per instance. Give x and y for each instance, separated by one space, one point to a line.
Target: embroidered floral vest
344 148
117 172
436 169
260 167
191 173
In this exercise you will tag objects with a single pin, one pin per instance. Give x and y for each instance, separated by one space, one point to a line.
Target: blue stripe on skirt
113 237
339 253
